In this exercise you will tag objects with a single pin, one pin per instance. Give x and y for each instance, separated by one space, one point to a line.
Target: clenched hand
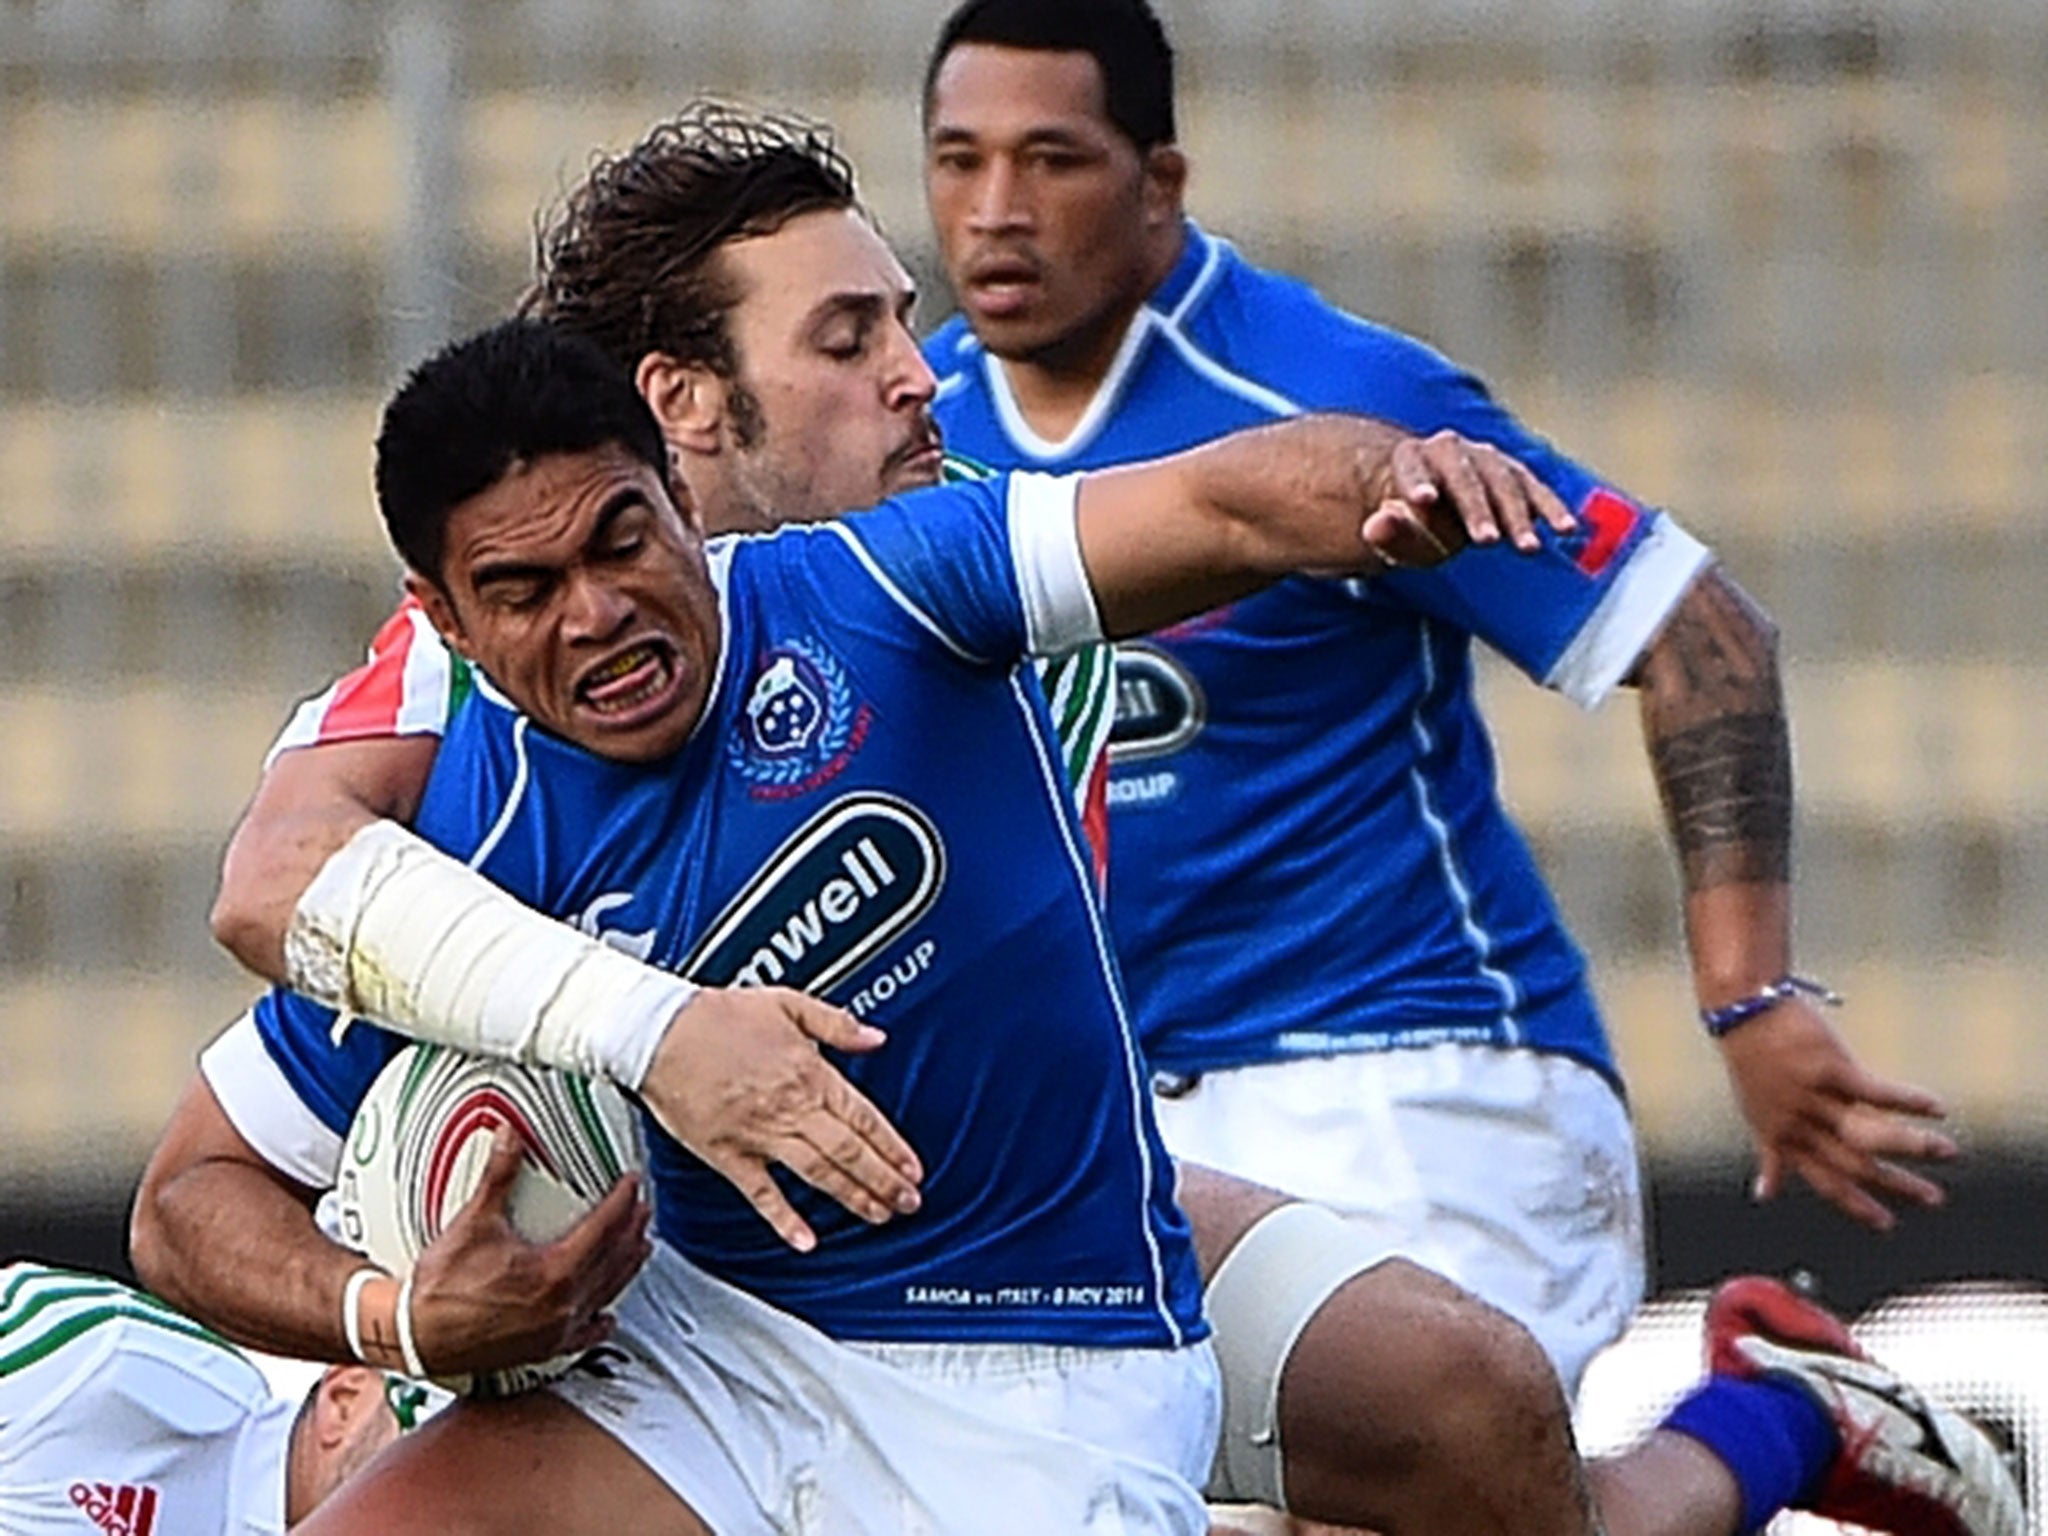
485 1298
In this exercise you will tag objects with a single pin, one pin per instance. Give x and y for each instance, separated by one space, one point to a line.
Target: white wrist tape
408 1348
352 1309
394 930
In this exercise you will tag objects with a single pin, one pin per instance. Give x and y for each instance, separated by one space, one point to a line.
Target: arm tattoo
1714 719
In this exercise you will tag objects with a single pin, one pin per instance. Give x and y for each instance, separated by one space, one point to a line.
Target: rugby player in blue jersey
1344 963
811 757
814 328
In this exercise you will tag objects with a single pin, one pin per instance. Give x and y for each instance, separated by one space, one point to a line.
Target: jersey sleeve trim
1045 546
1630 614
407 687
263 1107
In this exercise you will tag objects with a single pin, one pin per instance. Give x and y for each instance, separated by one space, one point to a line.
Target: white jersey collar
1169 304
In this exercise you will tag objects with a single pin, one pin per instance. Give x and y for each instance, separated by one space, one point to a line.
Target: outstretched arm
1346 494
1714 721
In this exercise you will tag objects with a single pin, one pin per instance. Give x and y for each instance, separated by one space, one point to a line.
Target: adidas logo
119 1509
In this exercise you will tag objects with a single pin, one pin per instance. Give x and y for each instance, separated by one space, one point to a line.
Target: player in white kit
120 1415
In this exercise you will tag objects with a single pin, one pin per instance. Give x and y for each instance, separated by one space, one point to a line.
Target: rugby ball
422 1136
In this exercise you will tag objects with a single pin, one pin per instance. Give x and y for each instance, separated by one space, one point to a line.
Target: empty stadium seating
1788 287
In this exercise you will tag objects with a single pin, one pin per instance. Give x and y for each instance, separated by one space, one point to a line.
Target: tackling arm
393 929
1714 722
219 1233
737 1079
311 801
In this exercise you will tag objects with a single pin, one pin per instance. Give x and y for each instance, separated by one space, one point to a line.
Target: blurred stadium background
1781 265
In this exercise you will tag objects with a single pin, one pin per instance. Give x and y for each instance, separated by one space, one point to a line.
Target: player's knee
1499 1389
1485 1377
1404 1375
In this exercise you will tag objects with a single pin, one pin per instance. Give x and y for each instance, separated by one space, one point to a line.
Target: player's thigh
528 1466
1299 1296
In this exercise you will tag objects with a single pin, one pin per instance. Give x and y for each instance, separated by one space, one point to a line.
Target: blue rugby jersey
1308 851
873 809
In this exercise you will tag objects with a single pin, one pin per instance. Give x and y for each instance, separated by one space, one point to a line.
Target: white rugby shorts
1512 1172
766 1427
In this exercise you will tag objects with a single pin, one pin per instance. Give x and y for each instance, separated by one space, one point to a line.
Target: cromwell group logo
800 725
835 893
1159 705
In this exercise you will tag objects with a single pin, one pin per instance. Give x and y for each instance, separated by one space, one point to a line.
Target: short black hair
1124 37
505 396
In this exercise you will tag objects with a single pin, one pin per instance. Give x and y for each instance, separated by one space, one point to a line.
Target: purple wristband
1720 1020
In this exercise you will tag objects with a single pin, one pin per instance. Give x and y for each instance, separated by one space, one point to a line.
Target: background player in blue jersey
802 739
1345 964
814 331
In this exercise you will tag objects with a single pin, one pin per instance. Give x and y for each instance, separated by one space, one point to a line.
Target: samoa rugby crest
800 724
